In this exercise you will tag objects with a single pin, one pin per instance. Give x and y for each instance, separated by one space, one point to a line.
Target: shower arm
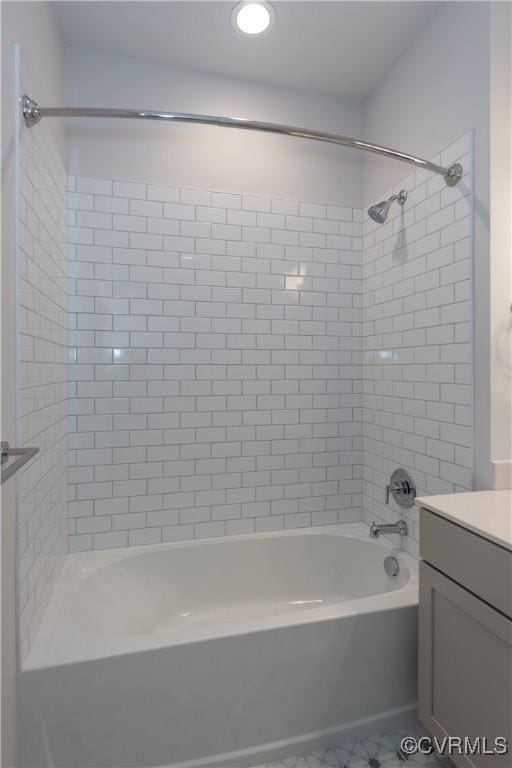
33 113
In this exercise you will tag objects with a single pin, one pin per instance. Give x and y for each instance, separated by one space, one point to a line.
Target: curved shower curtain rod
33 113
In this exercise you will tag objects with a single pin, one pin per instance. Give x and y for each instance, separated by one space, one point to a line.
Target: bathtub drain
391 566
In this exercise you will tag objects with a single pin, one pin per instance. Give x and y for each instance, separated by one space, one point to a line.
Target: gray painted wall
202 156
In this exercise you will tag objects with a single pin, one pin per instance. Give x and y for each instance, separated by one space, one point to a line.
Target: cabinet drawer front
465 667
479 565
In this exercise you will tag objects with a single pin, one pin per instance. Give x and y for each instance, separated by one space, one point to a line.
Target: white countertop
487 513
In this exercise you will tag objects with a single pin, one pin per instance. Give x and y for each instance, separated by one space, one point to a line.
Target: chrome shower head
379 212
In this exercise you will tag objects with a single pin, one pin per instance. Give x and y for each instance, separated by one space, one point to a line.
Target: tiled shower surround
219 373
43 325
417 340
217 386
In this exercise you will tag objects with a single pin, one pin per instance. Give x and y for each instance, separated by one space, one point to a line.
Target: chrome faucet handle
402 487
388 489
397 489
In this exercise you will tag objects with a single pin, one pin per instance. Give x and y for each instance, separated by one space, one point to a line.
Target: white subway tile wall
43 325
217 378
417 278
235 361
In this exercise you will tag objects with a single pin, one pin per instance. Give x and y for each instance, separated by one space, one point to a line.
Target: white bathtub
221 652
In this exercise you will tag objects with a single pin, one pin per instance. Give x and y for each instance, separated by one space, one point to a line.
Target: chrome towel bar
20 455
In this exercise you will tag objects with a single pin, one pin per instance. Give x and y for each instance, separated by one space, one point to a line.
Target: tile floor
376 752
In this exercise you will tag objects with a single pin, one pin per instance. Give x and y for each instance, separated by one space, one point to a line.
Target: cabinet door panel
465 667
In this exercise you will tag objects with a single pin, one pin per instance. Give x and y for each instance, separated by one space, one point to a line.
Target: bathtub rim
74 644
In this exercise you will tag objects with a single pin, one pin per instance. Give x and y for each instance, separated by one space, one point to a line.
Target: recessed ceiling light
252 18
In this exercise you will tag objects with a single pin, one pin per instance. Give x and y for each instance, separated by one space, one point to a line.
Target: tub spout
399 527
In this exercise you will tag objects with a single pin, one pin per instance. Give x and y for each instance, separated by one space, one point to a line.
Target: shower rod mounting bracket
30 111
32 114
453 174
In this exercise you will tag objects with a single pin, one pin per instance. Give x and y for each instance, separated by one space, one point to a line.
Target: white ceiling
336 48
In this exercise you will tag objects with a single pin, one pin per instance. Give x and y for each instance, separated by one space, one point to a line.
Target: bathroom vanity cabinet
465 635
